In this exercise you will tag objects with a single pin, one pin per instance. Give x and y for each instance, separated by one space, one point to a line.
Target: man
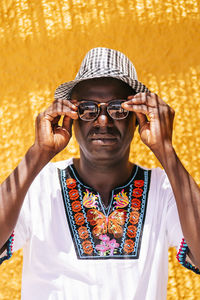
99 227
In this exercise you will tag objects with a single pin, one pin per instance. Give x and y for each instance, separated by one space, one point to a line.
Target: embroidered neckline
99 233
105 209
130 179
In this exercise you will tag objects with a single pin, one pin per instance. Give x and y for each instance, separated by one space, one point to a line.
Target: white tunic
51 268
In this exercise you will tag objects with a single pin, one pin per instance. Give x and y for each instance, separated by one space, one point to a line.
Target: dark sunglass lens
116 111
87 111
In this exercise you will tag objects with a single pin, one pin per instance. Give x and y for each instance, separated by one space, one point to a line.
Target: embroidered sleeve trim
9 249
181 256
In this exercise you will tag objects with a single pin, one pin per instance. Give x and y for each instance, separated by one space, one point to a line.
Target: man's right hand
50 137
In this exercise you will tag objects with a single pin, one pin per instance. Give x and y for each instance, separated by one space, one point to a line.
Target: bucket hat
103 62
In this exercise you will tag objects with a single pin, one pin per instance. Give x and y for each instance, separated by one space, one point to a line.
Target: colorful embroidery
112 232
87 247
73 194
139 183
128 246
79 218
137 192
135 203
89 199
121 200
71 183
107 246
103 224
9 249
131 231
181 256
76 206
83 233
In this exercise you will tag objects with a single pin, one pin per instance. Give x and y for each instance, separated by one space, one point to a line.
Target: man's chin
101 152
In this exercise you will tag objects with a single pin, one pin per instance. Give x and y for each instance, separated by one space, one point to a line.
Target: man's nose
103 118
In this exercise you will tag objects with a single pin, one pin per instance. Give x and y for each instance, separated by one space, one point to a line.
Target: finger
165 118
140 108
142 119
69 103
43 124
67 124
50 116
64 104
56 120
131 96
62 131
59 108
149 99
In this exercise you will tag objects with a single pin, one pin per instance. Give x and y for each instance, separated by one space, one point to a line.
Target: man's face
104 138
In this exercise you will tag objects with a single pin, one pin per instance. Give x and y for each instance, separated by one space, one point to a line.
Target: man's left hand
155 120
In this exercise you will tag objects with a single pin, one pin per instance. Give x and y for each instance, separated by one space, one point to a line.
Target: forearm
187 195
15 187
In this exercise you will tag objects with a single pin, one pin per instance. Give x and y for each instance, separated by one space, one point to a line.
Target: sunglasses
90 110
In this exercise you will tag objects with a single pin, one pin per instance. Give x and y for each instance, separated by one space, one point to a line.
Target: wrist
165 154
38 156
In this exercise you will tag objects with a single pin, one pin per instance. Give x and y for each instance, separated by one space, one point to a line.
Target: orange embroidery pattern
83 232
87 247
76 206
139 183
128 246
73 194
137 192
71 183
79 218
134 217
131 231
136 203
112 224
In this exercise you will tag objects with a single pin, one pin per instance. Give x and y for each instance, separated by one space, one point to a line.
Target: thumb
67 124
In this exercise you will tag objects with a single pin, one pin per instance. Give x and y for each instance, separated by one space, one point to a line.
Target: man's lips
103 136
103 139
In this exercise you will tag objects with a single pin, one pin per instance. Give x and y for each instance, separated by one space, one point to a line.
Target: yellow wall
42 43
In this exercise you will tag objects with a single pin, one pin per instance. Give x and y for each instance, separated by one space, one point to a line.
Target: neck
103 176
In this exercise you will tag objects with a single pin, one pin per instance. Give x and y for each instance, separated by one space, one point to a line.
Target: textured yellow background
42 43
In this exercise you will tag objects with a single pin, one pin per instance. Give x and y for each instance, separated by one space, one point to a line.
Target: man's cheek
79 130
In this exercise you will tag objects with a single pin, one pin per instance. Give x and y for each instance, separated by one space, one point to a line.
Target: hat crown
101 61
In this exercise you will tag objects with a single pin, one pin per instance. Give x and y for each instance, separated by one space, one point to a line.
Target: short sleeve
21 233
174 232
32 217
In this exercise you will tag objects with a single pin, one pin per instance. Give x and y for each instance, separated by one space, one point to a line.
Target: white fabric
51 270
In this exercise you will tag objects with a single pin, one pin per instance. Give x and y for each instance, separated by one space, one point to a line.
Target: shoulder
53 167
48 176
158 179
157 174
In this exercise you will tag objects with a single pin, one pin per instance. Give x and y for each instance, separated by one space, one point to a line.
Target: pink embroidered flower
106 244
102 248
112 246
105 239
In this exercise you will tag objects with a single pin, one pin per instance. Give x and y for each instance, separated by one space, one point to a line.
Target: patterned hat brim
63 92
